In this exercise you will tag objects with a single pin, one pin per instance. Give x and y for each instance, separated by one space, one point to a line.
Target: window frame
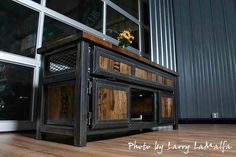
34 63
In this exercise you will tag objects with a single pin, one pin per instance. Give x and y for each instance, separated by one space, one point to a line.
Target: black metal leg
176 122
81 108
80 141
40 135
175 126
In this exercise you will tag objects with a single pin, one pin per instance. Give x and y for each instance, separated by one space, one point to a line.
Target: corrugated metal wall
206 55
162 28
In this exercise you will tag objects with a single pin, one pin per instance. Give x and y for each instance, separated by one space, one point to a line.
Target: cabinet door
166 107
110 104
60 102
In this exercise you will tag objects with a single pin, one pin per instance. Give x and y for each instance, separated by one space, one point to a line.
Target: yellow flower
125 36
132 37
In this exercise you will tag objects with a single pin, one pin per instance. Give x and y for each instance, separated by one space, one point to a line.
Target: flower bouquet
125 39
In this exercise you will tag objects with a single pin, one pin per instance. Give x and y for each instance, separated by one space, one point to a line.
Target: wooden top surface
105 44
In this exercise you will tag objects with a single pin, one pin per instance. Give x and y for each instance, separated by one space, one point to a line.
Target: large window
88 12
18 28
120 15
15 92
116 22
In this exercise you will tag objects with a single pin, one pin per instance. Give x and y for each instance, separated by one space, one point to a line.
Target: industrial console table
89 86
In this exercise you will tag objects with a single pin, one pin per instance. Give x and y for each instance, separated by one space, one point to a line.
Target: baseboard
11 125
207 121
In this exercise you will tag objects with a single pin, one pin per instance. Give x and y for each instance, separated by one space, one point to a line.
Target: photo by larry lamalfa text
159 148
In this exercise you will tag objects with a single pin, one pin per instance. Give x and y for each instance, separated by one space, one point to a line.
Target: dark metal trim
142 125
176 103
59 77
60 123
40 103
207 121
131 127
110 131
61 130
82 100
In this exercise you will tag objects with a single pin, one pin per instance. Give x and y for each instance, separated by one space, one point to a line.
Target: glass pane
142 105
61 102
146 43
116 23
131 6
88 12
112 104
37 1
55 30
18 28
145 12
145 30
15 92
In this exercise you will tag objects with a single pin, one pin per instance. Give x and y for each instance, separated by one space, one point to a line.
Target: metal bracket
138 118
89 118
90 86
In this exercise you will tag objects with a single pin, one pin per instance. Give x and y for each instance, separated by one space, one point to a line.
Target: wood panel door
60 103
166 107
110 104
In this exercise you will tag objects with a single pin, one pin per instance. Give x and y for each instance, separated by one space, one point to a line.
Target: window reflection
37 1
55 30
18 28
146 42
116 23
145 12
88 12
15 92
131 6
145 29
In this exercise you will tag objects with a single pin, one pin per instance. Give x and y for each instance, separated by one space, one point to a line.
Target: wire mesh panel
64 61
